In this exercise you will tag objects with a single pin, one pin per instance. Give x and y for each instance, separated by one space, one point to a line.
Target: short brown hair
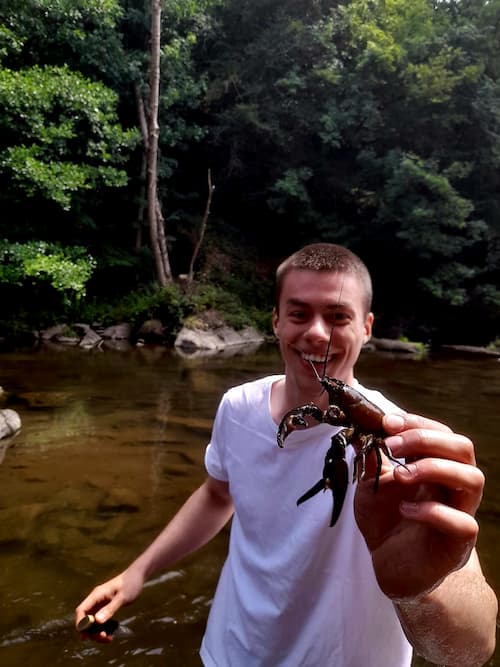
325 257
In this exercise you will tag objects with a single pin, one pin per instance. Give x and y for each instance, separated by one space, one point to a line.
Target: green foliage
79 33
66 133
68 270
291 186
173 306
146 303
494 346
374 123
211 297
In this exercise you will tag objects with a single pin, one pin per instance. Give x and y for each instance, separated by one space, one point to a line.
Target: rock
53 332
17 521
64 334
68 340
120 500
10 423
43 400
121 331
90 339
152 331
216 339
470 350
390 345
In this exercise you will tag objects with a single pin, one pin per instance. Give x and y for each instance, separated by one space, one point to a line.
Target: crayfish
361 426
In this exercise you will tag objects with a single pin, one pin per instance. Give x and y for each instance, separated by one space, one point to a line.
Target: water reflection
113 442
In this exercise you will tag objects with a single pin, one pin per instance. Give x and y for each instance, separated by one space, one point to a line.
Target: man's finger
396 423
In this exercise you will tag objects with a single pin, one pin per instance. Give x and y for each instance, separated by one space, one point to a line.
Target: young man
397 570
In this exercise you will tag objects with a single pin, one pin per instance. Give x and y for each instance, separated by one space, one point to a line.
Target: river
112 443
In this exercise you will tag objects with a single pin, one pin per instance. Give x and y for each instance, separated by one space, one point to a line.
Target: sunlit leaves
68 269
66 130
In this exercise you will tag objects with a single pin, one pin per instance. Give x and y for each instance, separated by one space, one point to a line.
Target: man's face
311 304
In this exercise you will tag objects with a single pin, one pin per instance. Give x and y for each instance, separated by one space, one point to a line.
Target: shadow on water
113 442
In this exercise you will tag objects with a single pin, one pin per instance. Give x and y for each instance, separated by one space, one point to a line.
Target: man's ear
368 327
275 322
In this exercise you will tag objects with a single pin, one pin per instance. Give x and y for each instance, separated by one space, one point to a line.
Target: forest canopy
370 123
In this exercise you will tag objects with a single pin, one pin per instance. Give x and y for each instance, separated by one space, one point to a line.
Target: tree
155 218
365 122
168 91
60 135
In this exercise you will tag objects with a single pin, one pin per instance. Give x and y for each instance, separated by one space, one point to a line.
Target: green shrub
150 302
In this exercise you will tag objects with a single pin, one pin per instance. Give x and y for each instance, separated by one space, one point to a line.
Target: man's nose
319 329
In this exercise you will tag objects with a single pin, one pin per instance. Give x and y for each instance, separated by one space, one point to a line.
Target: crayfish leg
378 445
322 485
379 466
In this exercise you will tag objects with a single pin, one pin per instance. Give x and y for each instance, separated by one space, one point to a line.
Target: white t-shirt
293 592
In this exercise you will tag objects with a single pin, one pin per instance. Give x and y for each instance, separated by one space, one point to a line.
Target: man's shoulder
378 398
251 390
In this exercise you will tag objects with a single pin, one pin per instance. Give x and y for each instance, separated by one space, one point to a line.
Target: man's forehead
298 281
337 304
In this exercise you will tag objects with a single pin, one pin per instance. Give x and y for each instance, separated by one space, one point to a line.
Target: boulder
216 339
122 331
391 345
53 332
88 337
10 423
470 350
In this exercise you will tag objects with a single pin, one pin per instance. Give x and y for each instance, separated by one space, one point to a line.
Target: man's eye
339 318
297 314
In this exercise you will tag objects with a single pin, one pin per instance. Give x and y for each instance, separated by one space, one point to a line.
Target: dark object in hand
89 625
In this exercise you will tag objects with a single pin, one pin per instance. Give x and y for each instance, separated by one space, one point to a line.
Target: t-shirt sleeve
214 453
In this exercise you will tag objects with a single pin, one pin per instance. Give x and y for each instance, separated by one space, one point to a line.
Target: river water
112 443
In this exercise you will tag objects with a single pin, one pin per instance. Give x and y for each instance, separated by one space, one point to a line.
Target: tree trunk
156 223
143 124
203 227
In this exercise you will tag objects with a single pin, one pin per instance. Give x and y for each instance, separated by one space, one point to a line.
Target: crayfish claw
296 420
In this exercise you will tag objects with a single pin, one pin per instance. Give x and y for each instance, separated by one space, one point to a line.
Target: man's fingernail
407 470
408 508
395 422
394 442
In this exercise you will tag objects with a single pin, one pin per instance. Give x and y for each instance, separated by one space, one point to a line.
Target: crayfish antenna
320 379
325 362
315 371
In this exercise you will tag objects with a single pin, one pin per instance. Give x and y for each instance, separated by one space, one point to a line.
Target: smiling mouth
315 359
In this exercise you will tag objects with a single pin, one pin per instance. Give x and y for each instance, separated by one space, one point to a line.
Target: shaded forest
370 123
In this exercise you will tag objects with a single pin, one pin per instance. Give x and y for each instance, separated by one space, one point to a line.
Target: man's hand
106 599
420 524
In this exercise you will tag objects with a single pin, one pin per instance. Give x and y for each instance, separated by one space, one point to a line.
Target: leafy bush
233 309
150 302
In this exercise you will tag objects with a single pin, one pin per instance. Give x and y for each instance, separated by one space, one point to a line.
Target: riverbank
210 335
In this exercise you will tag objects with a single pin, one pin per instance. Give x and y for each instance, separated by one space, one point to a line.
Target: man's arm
201 517
447 630
421 531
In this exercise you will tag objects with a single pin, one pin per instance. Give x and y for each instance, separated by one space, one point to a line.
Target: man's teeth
311 357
